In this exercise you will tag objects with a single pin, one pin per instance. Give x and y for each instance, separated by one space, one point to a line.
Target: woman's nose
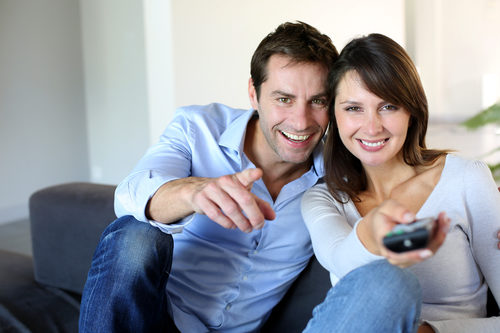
373 124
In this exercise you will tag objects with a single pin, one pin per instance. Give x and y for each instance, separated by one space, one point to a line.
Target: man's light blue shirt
221 279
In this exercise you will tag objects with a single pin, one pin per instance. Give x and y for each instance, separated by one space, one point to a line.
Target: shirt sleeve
335 243
482 200
167 160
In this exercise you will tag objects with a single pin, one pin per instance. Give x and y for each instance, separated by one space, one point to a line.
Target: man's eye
319 101
285 100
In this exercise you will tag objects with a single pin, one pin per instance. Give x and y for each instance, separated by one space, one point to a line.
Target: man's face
293 112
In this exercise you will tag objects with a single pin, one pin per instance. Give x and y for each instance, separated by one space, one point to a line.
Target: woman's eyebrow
350 102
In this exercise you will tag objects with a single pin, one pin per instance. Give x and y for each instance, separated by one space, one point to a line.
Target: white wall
42 115
213 41
145 59
115 86
456 45
159 64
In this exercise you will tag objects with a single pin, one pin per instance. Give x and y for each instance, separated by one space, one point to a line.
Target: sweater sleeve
335 242
482 201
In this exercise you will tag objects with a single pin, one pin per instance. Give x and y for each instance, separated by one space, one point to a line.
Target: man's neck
276 173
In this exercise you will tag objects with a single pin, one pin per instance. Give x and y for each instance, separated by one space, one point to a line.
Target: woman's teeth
373 144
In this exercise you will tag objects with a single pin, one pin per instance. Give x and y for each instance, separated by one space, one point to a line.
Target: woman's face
372 129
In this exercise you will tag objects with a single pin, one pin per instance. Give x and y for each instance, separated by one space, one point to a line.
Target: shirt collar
318 166
237 129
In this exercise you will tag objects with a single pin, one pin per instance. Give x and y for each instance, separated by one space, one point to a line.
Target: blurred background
87 85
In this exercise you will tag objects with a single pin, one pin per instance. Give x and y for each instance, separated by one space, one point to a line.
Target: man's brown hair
299 41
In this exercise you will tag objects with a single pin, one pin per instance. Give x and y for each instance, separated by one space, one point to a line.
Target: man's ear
252 95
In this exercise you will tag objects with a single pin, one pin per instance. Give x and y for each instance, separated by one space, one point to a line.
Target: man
227 185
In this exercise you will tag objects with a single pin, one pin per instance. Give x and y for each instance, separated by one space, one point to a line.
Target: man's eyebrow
320 95
281 93
285 94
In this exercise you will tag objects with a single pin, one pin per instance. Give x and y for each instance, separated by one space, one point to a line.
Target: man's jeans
377 297
125 289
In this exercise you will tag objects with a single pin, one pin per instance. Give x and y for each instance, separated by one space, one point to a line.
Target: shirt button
245 277
228 307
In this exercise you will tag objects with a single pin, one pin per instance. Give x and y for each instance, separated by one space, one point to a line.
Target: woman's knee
376 289
399 279
395 283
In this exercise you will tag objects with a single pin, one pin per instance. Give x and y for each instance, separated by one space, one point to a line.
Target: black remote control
411 236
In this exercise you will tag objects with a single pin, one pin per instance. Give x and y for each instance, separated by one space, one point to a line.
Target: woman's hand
380 221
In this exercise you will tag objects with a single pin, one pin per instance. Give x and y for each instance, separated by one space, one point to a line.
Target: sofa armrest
66 224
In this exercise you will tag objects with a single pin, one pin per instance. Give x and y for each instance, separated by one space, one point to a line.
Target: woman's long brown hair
388 72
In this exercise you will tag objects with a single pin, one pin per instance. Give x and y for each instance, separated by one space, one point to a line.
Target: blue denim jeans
377 297
125 288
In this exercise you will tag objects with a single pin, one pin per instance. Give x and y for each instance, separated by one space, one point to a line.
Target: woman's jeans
125 289
377 297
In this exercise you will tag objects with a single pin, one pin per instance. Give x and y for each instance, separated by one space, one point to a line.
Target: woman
379 173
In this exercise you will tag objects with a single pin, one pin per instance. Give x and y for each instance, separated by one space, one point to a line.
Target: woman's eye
353 108
390 107
284 100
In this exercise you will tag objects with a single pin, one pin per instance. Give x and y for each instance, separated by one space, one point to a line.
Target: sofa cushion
26 306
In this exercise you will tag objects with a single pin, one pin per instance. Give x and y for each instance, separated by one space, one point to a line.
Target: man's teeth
296 137
373 144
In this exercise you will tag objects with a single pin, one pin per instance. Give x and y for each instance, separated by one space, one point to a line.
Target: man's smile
294 137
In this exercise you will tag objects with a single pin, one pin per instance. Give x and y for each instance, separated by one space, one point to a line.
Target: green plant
489 115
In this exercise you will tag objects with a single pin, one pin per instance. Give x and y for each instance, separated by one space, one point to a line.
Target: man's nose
302 116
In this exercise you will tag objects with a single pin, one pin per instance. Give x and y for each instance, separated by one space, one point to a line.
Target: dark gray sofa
42 294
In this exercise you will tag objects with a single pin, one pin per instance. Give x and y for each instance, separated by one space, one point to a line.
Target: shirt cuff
133 194
175 227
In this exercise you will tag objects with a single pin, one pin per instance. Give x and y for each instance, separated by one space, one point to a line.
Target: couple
226 188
